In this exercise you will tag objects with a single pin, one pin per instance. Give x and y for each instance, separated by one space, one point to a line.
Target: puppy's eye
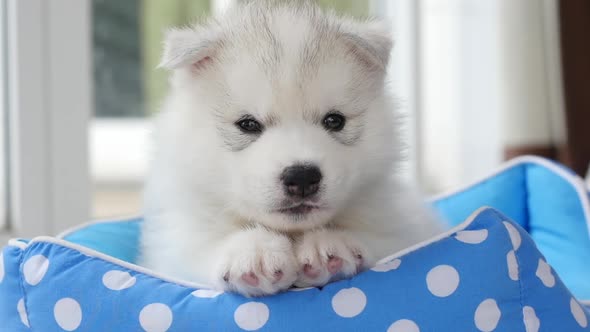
249 125
334 121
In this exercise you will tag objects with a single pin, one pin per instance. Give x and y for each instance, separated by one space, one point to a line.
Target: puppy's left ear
189 47
370 42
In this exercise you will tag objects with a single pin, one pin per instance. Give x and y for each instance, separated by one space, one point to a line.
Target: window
127 38
3 103
47 104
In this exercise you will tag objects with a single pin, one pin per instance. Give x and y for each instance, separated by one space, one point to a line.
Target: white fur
212 193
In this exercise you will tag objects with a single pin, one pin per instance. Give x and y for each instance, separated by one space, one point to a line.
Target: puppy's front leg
255 262
328 254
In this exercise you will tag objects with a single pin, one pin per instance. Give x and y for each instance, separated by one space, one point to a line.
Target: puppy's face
299 116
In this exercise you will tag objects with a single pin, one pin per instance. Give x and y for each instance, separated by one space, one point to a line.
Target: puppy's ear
189 47
370 42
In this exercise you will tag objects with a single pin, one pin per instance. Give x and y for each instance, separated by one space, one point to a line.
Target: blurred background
476 82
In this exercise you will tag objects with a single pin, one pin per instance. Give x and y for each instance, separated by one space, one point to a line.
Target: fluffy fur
214 192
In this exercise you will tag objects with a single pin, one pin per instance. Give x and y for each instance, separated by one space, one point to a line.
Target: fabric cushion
484 275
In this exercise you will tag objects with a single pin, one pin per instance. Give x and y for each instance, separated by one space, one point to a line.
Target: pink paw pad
310 272
251 279
334 264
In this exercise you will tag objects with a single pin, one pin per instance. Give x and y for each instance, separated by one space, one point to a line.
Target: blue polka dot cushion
546 199
486 274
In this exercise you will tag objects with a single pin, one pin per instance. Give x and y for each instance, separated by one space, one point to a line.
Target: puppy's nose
301 180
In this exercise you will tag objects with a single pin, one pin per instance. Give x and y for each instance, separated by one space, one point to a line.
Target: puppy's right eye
249 125
334 121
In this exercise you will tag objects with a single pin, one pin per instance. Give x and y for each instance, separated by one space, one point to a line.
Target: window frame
49 104
3 104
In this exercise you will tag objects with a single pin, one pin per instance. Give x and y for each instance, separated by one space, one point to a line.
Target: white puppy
275 153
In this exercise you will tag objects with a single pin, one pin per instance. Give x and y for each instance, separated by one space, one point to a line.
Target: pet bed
485 274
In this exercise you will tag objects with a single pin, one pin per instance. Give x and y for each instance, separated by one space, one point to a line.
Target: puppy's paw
328 255
256 262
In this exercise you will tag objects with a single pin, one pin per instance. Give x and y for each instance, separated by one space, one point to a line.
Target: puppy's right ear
189 47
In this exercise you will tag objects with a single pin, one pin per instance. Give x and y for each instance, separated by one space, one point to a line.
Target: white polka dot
22 312
1 265
531 321
251 316
155 317
472 237
388 266
514 235
403 325
487 315
206 293
512 265
68 314
442 280
35 268
578 313
118 280
544 273
349 302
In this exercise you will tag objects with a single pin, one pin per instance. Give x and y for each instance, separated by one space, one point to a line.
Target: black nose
301 180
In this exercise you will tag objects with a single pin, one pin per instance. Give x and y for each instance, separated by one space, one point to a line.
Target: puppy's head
294 104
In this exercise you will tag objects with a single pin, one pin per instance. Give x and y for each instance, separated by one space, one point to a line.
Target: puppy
275 153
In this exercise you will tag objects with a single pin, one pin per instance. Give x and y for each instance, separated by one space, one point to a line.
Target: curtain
575 47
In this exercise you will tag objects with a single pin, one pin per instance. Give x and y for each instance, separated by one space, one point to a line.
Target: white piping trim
16 243
110 259
436 238
79 227
446 234
575 181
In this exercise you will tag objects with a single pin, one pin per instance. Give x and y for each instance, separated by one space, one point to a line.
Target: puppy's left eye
249 125
334 121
